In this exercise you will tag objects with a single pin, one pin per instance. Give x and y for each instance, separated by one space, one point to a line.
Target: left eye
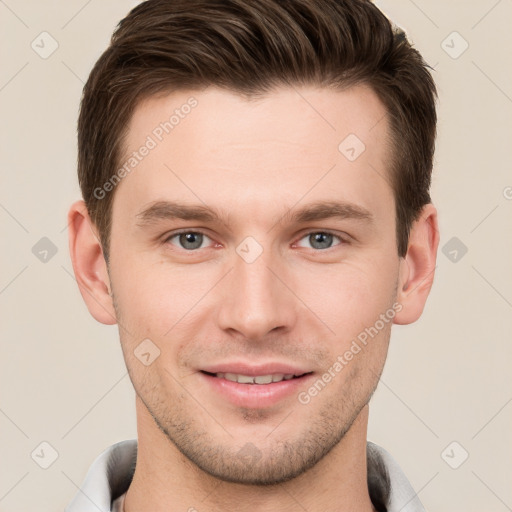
320 240
189 240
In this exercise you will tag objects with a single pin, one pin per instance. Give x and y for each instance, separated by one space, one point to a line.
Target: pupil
321 240
191 240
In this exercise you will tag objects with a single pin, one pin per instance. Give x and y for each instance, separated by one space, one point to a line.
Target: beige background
62 376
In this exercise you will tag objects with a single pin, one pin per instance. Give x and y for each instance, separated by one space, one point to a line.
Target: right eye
188 240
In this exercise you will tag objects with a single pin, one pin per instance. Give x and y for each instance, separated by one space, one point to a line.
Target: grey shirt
111 472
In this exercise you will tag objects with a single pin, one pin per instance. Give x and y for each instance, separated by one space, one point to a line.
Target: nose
256 299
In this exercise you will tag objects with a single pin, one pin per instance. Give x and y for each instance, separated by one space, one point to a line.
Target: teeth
259 379
245 379
262 379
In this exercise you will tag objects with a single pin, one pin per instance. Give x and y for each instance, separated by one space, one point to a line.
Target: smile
256 379
262 389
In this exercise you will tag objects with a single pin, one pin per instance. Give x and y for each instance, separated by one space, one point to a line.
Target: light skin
300 303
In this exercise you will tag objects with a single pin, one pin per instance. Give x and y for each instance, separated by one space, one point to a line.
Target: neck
165 480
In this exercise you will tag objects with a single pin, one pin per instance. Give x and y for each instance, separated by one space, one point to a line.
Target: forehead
293 144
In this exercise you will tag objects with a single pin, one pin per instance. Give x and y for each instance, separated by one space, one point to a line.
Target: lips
254 386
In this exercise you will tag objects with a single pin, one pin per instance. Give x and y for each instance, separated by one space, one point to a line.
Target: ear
89 264
418 266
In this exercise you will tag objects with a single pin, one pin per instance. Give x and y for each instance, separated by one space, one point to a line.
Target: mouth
256 379
255 387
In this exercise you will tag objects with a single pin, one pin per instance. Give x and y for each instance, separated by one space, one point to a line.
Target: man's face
260 291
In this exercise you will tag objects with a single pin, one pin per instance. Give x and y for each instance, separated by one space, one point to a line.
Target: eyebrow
320 210
168 210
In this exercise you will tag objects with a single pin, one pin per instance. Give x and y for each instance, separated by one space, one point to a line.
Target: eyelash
343 241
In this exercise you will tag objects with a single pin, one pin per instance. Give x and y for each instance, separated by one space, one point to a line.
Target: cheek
153 297
154 303
349 296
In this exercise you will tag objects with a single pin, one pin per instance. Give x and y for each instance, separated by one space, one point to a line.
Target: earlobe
89 264
417 268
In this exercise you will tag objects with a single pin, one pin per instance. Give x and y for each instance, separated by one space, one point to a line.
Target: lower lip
256 396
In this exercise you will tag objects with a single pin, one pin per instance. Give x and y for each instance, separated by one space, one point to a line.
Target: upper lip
253 370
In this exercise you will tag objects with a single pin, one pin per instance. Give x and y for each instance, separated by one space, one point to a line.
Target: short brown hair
250 47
